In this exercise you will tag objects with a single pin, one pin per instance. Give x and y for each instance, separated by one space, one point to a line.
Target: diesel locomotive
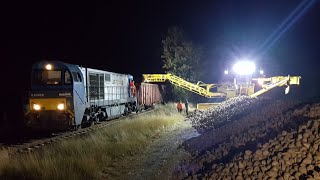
65 96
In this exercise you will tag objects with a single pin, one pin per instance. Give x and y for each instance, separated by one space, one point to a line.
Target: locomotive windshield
44 77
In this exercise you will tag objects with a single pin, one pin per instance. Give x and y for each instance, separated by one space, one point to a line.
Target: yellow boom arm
276 81
199 88
204 89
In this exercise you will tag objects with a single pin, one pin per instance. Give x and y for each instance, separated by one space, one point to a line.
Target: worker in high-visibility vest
132 88
179 107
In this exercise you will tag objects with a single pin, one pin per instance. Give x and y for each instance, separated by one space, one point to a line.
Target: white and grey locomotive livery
65 96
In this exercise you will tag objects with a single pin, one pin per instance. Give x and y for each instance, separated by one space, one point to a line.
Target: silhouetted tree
181 58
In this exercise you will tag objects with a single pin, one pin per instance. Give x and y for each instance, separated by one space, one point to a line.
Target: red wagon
150 94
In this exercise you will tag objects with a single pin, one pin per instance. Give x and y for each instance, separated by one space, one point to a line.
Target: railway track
37 143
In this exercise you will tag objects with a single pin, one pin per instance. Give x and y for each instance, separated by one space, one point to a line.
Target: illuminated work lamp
260 82
244 68
48 66
226 71
261 72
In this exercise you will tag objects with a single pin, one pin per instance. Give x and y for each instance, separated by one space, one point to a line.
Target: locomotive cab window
44 77
67 77
76 77
79 77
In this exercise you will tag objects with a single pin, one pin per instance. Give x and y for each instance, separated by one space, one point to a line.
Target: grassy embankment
85 157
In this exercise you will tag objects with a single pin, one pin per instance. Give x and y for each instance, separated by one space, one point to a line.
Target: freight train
65 96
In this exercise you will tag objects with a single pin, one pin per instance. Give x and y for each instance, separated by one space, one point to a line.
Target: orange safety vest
179 106
132 88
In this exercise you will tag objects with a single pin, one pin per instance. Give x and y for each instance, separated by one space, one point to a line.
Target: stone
274 163
241 166
303 170
248 152
265 152
258 152
306 145
272 173
307 161
283 133
310 167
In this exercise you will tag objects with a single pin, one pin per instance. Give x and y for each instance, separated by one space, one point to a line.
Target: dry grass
84 158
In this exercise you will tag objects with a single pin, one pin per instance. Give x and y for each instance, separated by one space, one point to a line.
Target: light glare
36 107
244 68
226 71
260 82
261 72
60 106
48 66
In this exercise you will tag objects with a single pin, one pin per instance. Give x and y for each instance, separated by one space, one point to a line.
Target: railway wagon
65 96
150 94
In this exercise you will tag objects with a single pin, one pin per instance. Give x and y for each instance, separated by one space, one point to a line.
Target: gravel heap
207 120
277 139
293 155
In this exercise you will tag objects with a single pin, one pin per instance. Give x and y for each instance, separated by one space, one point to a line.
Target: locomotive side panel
108 92
107 88
117 88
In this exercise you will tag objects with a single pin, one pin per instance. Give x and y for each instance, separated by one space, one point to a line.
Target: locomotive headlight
60 106
36 107
48 66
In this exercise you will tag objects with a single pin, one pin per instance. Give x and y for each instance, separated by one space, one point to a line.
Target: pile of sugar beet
254 138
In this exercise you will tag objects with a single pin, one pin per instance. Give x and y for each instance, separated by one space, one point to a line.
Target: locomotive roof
56 64
63 65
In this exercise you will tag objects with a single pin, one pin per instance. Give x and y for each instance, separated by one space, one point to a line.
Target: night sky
125 37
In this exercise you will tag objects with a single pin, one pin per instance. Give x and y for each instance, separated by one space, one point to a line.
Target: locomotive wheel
74 127
126 111
97 120
83 125
91 123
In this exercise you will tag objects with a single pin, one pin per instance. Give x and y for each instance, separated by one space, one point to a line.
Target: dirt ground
158 160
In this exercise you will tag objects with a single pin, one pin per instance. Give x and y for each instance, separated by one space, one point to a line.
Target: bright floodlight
244 68
226 71
261 71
